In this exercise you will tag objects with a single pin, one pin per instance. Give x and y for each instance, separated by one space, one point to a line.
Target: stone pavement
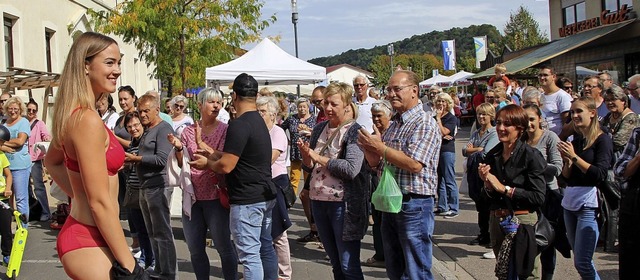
453 257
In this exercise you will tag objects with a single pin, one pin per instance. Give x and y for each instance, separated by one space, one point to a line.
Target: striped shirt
417 135
132 180
628 153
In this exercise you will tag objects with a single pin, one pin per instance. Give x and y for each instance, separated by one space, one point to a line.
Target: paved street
453 257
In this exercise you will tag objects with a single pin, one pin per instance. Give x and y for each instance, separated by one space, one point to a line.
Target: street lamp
391 52
294 20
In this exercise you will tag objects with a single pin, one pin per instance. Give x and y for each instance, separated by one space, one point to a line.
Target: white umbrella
434 80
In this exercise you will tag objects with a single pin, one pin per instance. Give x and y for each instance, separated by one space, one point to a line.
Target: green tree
183 37
523 31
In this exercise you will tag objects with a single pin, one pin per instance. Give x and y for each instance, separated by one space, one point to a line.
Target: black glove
120 273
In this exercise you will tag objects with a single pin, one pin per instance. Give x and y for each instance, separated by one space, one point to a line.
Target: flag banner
480 43
449 54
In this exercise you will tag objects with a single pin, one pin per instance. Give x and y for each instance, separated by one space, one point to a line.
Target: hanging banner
480 43
449 54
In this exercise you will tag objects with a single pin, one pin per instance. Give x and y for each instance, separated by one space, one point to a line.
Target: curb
447 267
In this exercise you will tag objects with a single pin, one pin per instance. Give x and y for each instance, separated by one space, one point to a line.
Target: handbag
223 195
388 196
131 198
545 233
289 194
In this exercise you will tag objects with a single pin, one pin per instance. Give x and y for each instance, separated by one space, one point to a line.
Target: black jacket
524 170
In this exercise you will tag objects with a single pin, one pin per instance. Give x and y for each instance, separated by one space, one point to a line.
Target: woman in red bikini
84 159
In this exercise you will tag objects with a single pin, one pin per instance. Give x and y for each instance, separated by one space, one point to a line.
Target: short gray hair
383 106
635 78
302 100
366 80
271 102
531 93
207 94
618 94
435 87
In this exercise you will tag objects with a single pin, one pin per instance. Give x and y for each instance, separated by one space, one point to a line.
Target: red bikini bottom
75 235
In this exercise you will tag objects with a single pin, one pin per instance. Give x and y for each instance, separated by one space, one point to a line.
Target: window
614 5
8 41
574 13
48 35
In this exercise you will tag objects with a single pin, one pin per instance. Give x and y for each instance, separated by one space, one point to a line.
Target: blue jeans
447 186
251 230
21 191
155 210
39 188
410 230
209 214
582 232
344 255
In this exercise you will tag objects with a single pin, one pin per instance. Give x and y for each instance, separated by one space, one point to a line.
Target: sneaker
489 255
442 213
439 212
450 215
45 218
311 237
5 261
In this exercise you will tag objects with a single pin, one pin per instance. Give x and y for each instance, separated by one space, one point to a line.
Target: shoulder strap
33 124
333 135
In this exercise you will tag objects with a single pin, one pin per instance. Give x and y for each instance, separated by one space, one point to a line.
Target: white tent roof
460 76
434 80
268 64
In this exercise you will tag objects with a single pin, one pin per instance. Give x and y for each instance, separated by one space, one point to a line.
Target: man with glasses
556 102
317 97
634 93
606 79
363 101
412 145
155 195
3 98
593 87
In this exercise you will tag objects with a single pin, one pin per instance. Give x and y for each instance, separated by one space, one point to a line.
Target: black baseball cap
245 85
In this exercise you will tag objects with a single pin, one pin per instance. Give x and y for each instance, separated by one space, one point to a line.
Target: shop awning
553 49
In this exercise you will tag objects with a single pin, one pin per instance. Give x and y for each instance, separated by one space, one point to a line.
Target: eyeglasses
434 92
134 125
398 88
567 88
178 106
588 86
359 85
317 101
32 110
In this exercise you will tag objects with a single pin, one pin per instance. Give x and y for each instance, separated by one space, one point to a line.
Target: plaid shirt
628 153
417 135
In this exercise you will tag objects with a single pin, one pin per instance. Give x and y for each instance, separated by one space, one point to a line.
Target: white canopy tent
460 77
439 79
269 65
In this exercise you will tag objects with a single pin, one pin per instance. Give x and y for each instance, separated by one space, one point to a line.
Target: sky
330 27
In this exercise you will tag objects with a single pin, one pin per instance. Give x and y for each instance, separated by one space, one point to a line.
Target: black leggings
6 215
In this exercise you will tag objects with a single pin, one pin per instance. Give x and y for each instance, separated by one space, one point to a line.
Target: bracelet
384 153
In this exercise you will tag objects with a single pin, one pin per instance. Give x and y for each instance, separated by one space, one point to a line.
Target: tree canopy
183 37
523 31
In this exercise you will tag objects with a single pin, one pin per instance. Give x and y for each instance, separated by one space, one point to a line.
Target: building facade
37 35
616 51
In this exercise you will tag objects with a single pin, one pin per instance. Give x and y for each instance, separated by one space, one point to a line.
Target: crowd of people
531 150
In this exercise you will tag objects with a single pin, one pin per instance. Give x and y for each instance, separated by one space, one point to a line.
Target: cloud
329 27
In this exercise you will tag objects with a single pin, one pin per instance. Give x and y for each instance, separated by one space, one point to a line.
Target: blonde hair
447 98
592 132
500 68
343 89
487 109
74 91
14 100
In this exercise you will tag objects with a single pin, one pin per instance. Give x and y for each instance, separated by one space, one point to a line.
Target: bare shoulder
88 127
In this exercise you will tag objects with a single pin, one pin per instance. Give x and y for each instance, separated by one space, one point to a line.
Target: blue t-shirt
21 158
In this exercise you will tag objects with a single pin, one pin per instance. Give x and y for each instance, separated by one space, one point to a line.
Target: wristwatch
574 159
507 189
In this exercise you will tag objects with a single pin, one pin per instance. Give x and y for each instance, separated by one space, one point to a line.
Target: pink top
205 181
39 133
279 142
323 186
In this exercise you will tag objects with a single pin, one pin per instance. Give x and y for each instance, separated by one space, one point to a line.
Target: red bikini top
115 155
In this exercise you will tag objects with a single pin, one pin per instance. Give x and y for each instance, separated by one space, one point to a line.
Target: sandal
54 225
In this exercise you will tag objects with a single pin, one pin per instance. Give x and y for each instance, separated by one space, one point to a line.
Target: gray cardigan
548 146
349 167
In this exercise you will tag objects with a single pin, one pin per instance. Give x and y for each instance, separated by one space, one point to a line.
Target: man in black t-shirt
246 161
